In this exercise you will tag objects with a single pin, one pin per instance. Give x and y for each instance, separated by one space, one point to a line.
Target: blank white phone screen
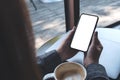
84 32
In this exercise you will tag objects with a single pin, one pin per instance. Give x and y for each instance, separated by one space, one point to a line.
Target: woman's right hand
94 51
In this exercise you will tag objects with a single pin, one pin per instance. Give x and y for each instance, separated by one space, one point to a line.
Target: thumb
71 34
95 36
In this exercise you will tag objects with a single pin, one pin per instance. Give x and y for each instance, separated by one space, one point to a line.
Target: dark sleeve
96 72
48 61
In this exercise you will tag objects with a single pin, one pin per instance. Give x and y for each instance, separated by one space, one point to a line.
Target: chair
33 4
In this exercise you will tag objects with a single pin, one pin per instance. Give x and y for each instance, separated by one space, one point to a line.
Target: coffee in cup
70 71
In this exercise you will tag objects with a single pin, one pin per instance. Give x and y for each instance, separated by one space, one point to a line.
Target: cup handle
49 76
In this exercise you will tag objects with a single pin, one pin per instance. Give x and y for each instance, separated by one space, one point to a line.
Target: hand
94 51
65 51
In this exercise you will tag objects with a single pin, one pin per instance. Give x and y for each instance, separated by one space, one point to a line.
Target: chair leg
33 4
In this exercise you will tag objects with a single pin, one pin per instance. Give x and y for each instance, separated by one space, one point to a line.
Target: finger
97 41
71 34
99 44
85 54
95 37
96 34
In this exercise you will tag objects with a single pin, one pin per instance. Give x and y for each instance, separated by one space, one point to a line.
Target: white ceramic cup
68 71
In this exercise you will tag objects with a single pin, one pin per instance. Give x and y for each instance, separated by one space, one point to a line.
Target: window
48 20
107 10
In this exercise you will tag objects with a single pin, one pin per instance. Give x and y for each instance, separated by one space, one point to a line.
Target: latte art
72 76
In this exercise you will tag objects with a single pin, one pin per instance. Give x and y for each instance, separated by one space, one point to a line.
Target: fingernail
96 33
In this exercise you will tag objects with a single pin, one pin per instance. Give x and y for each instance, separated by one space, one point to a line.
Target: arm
96 72
49 61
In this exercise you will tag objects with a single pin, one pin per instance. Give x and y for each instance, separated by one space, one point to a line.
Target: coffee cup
68 71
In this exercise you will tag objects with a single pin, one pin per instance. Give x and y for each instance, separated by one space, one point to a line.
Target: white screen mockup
84 31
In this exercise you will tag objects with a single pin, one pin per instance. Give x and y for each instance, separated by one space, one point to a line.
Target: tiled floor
49 21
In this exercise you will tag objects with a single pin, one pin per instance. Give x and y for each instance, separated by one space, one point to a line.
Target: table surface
103 33
110 40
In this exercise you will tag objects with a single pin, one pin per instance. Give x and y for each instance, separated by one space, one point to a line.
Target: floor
49 20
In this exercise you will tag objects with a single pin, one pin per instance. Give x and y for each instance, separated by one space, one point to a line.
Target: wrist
89 61
61 54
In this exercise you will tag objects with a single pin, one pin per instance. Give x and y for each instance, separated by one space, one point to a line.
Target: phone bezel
92 32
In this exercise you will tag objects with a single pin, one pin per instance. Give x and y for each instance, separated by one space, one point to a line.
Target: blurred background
48 16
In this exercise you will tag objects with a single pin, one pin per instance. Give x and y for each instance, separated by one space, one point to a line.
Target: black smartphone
84 32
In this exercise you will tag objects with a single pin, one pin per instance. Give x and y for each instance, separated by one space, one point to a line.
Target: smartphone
84 32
